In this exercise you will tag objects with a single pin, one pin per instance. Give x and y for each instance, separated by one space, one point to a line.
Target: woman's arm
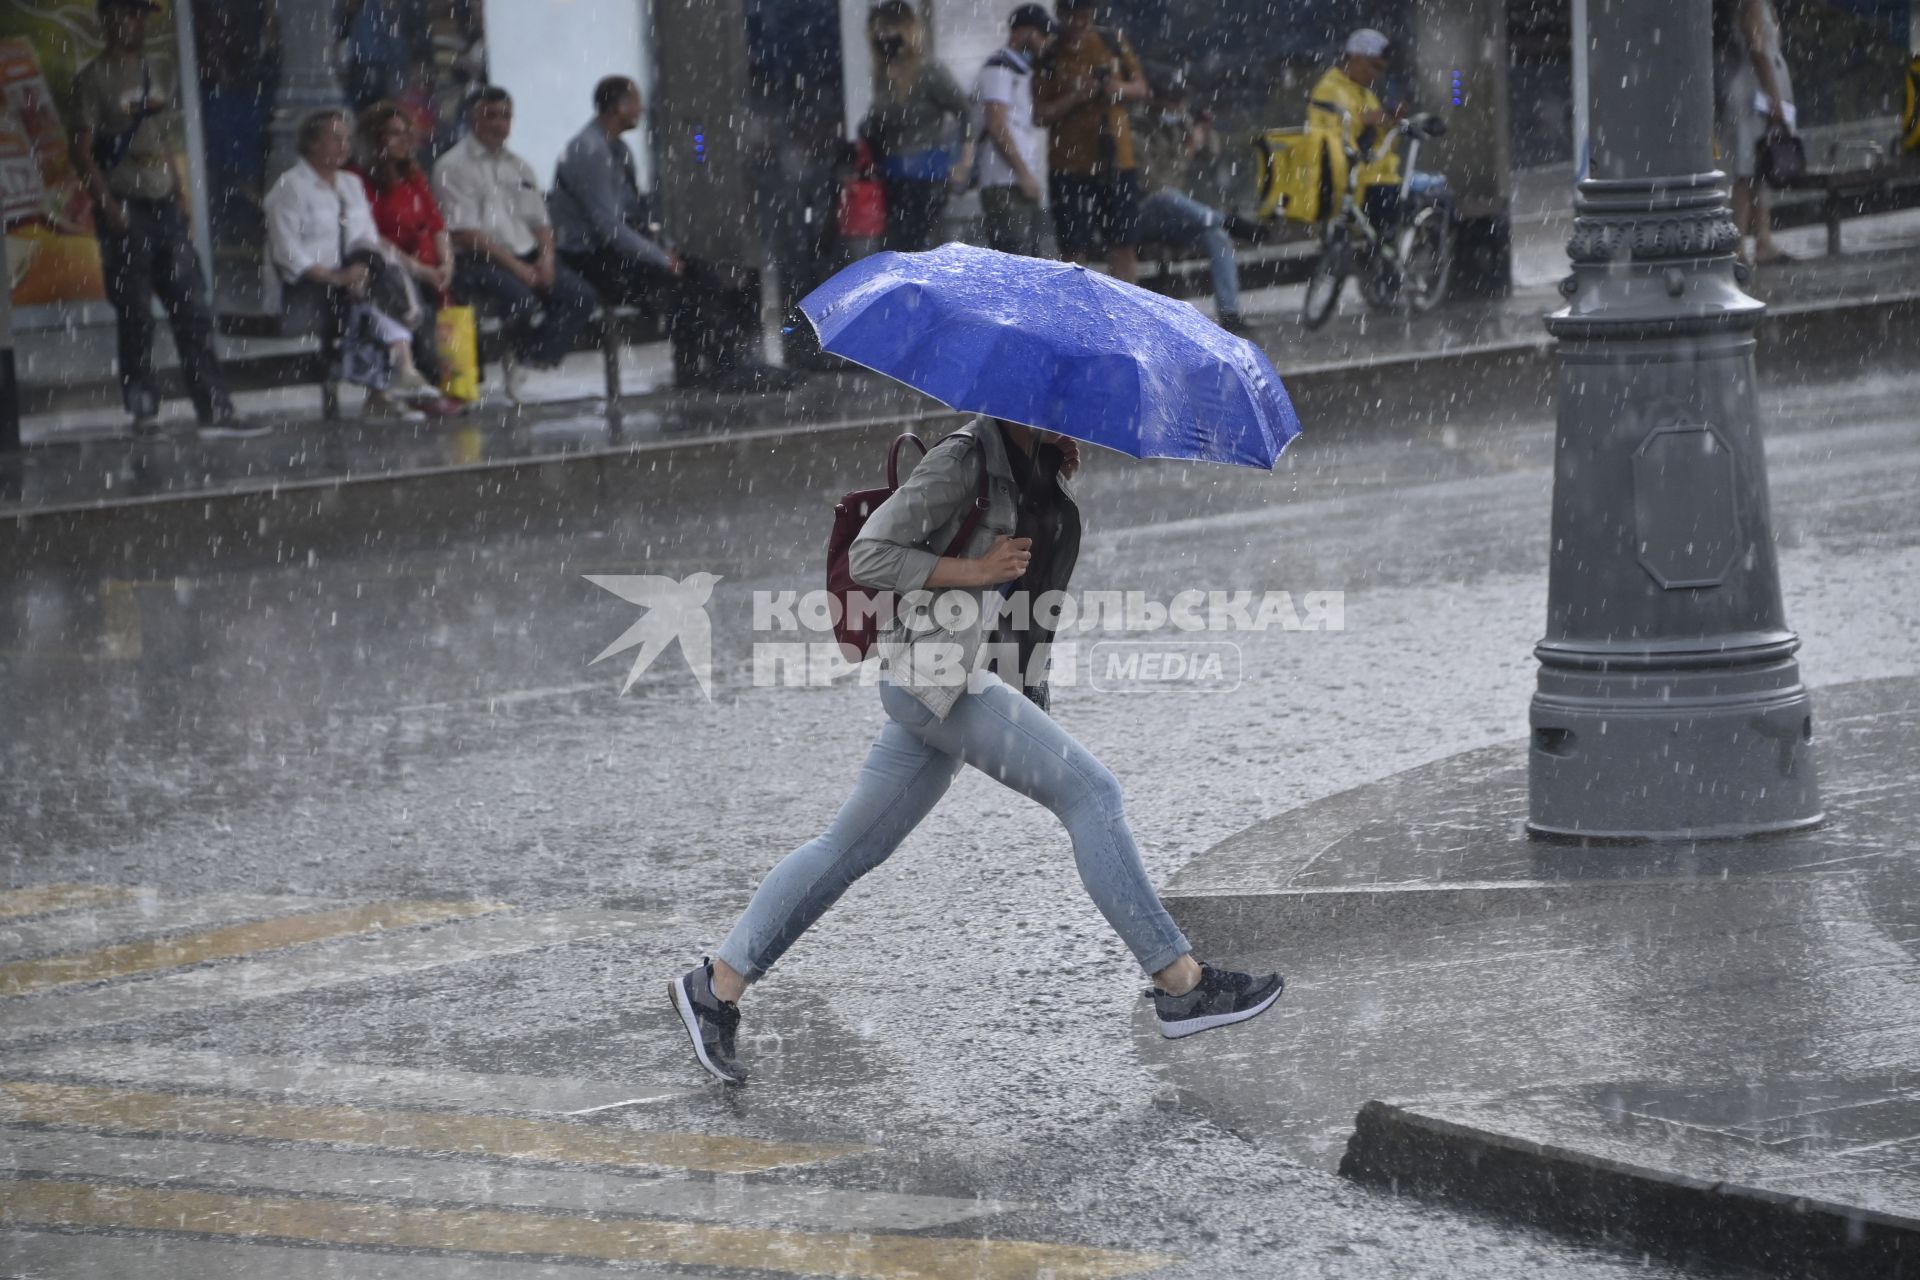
1753 22
887 556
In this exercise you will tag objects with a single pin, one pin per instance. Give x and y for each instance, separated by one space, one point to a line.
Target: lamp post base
1650 748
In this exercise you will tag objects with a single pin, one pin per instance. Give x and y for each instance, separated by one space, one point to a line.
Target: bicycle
1409 260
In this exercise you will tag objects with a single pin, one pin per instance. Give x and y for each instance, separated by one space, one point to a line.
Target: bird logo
675 610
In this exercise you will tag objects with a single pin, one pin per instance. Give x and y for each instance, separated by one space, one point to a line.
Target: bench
1184 271
1860 172
613 330
317 361
1860 180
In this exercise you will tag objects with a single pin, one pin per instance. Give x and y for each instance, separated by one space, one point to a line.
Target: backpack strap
979 509
108 152
981 501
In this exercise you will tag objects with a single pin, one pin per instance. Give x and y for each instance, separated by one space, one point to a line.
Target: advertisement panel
49 223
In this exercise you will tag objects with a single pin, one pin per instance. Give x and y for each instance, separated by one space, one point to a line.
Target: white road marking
227 1166
295 1081
367 959
52 1255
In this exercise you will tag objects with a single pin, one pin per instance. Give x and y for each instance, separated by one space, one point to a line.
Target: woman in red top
408 218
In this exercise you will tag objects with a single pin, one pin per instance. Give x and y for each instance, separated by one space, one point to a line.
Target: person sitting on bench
601 224
322 243
505 260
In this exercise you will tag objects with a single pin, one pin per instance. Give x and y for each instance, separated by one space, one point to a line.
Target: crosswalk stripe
129 959
500 1137
39 898
305 1170
385 1086
286 973
44 1255
145 914
489 1231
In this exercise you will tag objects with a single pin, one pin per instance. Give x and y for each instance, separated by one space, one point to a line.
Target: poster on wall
51 251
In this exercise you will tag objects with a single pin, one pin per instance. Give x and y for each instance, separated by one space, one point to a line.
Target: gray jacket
596 200
906 536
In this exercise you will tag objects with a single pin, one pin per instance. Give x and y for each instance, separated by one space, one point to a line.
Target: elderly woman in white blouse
323 246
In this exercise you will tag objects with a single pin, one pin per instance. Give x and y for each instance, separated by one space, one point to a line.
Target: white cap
1366 43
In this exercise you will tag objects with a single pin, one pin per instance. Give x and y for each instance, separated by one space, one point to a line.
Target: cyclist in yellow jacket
1349 88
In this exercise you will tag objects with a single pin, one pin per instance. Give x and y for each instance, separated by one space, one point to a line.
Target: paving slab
1736 1012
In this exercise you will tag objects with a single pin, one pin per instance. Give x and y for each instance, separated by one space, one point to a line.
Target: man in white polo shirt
1014 155
505 259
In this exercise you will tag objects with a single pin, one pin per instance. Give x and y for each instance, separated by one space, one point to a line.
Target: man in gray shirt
124 105
601 223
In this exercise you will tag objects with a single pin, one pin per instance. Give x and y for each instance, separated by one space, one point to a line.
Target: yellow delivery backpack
1303 173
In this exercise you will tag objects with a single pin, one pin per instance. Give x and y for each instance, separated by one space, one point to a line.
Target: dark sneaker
1220 999
710 1021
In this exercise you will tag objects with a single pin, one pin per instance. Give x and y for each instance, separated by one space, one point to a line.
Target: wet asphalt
424 724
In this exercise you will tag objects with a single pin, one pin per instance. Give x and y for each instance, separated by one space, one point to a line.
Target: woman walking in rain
915 102
947 707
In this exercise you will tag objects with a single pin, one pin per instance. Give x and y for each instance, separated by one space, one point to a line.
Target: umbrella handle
893 456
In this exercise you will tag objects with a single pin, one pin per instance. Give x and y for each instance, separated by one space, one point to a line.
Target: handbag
1782 158
457 333
858 612
862 212
364 356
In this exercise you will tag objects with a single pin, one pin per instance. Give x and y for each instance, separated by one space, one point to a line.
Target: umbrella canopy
1055 346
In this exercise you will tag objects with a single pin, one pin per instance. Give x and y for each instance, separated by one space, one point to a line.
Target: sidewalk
1702 1050
81 458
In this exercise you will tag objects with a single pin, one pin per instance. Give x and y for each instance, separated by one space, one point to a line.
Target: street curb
1678 1216
282 523
278 521
1236 923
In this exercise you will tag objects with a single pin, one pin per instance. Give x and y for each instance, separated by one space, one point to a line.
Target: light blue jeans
1169 217
912 763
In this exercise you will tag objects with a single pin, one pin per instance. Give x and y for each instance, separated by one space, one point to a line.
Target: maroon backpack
858 609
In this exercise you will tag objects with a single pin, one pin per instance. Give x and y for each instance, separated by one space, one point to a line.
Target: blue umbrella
1055 346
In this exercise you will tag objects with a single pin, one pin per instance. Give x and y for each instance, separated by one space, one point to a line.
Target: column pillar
307 80
1459 56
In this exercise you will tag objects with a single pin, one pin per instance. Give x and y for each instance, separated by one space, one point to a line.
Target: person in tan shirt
124 111
1081 91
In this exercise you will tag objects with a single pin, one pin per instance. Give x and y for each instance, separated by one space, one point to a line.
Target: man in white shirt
1014 154
325 250
505 257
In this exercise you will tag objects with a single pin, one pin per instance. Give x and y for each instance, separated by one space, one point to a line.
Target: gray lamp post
307 82
1669 704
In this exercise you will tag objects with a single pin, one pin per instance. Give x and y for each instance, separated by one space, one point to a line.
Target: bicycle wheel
1381 283
1328 278
1428 265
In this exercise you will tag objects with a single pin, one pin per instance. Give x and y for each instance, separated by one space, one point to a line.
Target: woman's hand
1069 454
1005 561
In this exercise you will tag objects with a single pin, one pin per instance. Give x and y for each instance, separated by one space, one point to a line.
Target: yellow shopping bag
459 338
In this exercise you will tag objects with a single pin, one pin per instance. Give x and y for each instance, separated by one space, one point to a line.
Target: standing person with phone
947 707
124 112
1082 92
